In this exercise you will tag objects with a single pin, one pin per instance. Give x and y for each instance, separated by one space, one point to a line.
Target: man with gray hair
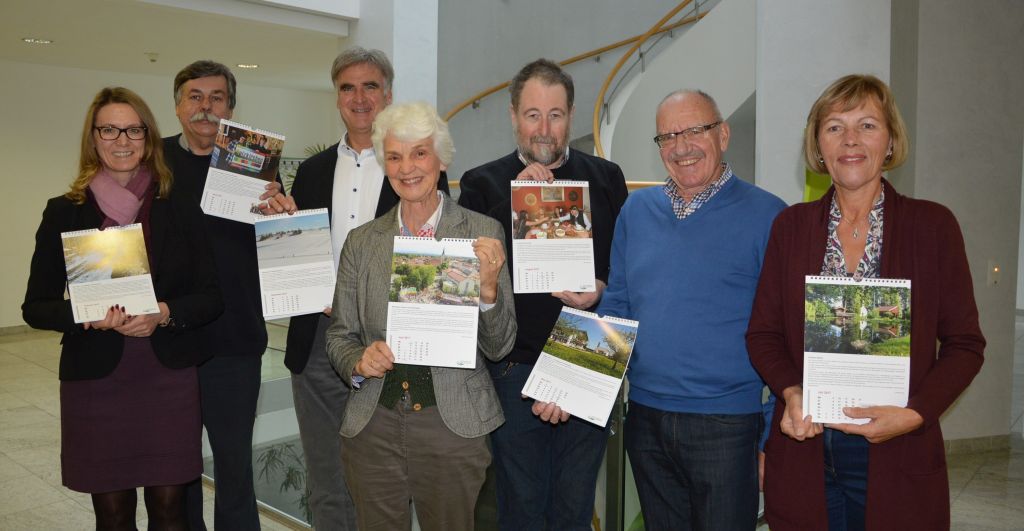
695 413
229 383
348 181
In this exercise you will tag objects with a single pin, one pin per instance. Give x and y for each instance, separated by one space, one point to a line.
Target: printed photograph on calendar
857 318
245 151
583 363
591 343
434 274
105 254
542 211
293 240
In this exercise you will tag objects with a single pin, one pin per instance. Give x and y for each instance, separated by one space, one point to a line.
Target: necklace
853 223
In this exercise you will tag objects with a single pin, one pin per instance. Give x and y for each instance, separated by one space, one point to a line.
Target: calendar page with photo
243 161
552 245
583 363
856 345
108 267
296 265
434 302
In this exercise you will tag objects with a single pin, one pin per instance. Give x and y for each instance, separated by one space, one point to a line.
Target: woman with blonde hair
889 473
129 392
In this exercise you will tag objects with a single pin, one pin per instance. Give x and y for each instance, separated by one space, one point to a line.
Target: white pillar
802 46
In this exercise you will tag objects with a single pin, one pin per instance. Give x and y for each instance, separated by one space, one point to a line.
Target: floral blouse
870 264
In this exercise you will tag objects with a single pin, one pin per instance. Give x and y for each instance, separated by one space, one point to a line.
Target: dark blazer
184 277
465 397
907 482
314 188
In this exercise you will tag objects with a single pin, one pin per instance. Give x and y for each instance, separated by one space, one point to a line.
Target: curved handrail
586 55
655 29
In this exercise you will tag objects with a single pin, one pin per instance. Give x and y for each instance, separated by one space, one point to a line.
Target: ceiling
116 35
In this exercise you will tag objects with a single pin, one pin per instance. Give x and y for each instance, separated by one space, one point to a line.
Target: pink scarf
121 204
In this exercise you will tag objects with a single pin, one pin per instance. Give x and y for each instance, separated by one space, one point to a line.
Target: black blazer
184 277
314 188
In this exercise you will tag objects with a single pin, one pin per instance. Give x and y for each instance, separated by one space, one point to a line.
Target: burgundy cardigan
907 482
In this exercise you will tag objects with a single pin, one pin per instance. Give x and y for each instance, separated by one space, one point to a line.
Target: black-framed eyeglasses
669 139
109 132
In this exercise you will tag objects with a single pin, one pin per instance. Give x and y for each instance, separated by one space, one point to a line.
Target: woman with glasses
129 391
889 473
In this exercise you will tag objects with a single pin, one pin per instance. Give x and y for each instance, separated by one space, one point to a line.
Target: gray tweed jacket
465 397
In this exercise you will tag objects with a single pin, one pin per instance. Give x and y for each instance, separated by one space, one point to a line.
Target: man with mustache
546 462
347 180
229 383
685 263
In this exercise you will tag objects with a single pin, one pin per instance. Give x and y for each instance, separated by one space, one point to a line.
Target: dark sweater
486 189
240 330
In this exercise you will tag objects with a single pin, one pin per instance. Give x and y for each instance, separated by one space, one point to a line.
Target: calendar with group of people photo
552 246
244 160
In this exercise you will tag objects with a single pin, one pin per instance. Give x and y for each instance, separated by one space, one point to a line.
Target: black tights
165 506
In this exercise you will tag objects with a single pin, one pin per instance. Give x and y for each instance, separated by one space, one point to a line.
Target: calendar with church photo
434 302
856 345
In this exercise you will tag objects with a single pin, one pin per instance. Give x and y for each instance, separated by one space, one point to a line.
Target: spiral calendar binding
891 282
300 213
264 132
74 233
584 184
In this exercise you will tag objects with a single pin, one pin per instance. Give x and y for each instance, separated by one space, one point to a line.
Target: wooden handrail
599 102
577 58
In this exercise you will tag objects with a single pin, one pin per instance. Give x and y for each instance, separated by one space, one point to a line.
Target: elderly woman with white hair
415 433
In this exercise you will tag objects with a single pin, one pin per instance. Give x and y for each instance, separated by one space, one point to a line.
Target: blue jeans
546 475
846 479
694 471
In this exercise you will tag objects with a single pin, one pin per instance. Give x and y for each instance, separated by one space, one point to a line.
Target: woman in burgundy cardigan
891 472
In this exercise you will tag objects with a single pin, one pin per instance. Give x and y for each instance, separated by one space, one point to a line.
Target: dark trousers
403 456
694 471
229 387
846 479
320 397
545 475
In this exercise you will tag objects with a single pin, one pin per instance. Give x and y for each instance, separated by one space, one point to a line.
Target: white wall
967 148
723 67
802 47
483 43
42 116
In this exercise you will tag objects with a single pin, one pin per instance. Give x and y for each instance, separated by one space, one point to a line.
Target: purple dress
139 426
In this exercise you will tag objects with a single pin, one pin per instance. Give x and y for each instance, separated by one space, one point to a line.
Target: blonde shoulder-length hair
850 92
89 163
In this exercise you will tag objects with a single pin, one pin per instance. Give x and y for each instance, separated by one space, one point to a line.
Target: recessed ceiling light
34 40
248 65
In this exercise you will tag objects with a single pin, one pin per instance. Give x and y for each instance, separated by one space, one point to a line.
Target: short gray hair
204 68
357 55
694 92
410 122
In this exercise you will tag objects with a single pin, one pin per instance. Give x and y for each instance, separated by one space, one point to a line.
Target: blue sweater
690 283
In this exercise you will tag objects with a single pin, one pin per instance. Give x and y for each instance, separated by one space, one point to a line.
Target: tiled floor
31 495
987 489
